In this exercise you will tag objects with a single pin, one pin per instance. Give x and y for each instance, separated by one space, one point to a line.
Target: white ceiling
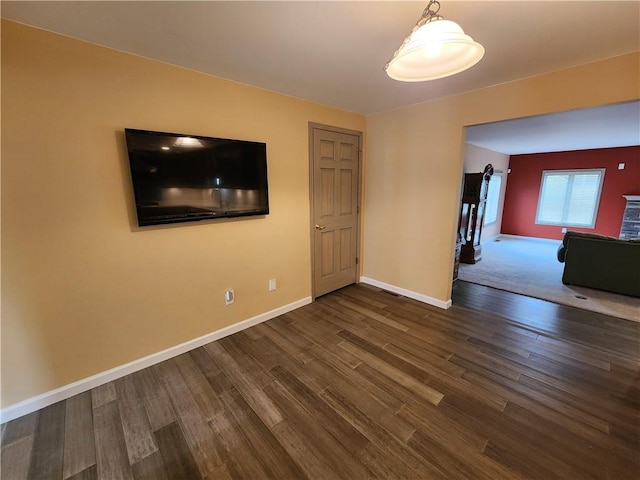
598 127
333 53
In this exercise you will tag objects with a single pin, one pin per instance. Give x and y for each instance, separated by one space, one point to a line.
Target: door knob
320 227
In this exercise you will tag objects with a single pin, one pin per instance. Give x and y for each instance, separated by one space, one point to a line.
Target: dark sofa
603 263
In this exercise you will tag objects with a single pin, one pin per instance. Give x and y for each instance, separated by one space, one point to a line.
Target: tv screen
185 178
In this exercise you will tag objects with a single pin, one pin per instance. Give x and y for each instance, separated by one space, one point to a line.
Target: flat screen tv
186 178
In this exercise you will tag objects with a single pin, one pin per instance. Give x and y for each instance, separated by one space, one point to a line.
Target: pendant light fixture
436 48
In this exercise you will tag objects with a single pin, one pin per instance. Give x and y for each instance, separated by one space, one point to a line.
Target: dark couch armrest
562 249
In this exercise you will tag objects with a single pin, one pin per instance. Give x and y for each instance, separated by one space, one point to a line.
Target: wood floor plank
483 363
238 455
433 366
519 460
210 370
365 401
369 334
614 358
605 459
370 314
272 454
175 453
303 453
398 452
519 392
386 396
323 445
261 404
252 333
585 377
155 399
15 458
17 444
19 428
90 473
253 356
48 441
137 431
111 450
319 413
559 351
316 329
339 315
320 342
296 349
608 416
297 368
384 465
371 299
447 461
509 443
399 375
556 321
201 390
420 339
431 421
601 401
499 348
197 432
151 467
385 390
79 446
103 394
486 423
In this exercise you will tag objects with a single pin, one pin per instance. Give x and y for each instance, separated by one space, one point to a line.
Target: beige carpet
530 267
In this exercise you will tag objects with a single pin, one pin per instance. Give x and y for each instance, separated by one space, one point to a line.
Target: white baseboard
49 398
407 293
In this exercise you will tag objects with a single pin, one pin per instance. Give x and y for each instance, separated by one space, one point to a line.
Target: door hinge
357 260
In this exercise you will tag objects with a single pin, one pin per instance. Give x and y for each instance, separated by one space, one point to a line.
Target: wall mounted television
185 178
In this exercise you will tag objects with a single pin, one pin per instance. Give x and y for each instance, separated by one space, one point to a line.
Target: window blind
569 197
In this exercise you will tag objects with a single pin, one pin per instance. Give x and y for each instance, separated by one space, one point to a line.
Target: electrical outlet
272 284
229 297
564 229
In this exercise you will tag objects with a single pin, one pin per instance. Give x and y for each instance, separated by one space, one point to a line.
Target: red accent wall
523 188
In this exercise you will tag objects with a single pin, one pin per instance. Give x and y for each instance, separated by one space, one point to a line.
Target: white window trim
497 175
600 171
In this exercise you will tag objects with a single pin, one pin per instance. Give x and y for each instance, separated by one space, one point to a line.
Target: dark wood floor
363 384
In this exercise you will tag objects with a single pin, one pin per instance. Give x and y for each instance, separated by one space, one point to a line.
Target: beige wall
415 160
82 290
475 159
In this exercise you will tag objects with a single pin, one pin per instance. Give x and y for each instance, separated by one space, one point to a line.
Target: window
493 197
569 197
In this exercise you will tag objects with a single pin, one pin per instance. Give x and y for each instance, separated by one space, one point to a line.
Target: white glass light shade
436 49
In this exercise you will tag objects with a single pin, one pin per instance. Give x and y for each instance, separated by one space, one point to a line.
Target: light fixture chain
429 14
